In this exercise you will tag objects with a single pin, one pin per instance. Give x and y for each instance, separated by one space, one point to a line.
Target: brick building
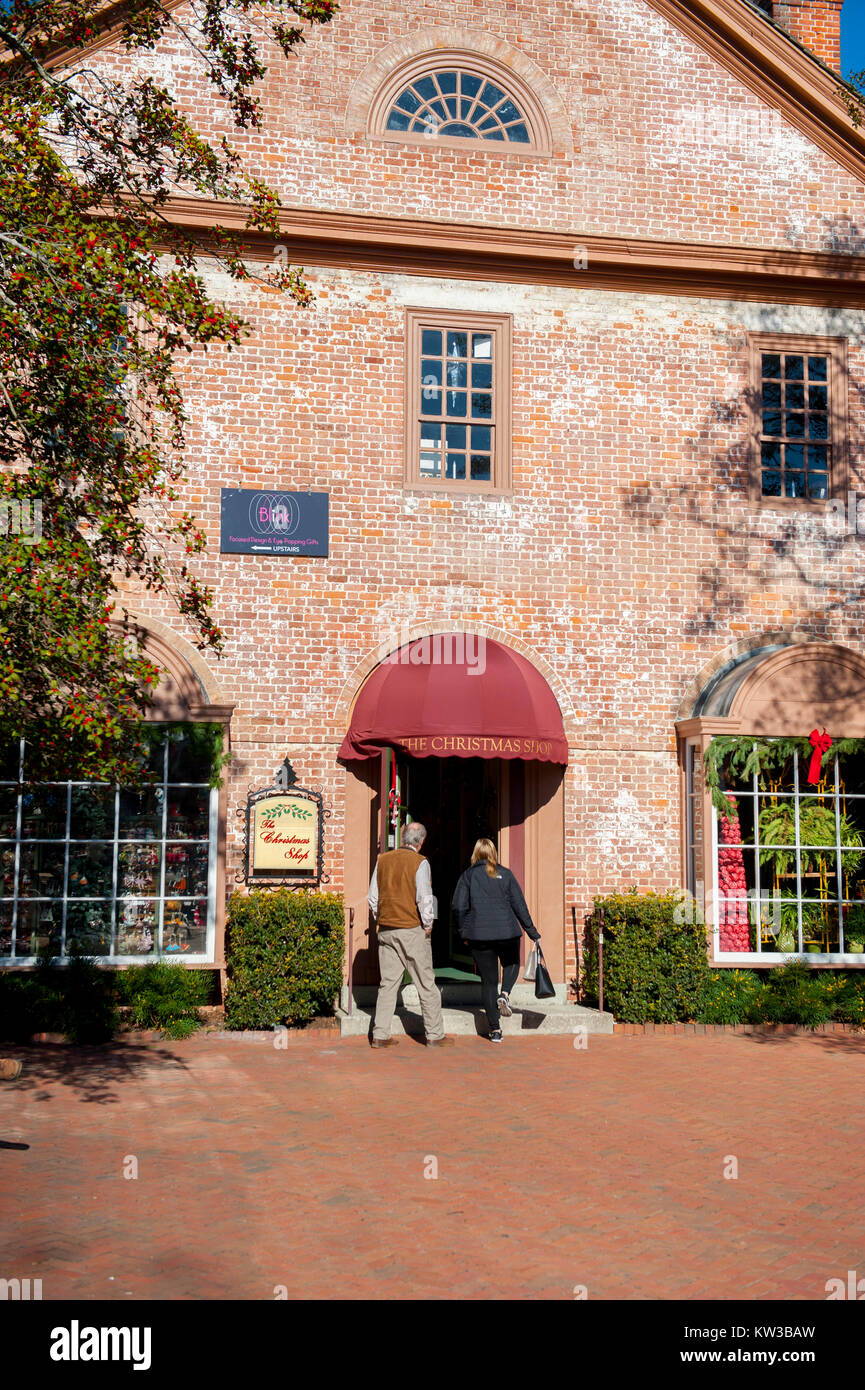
583 387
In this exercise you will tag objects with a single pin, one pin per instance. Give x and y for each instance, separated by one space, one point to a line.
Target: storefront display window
789 851
113 872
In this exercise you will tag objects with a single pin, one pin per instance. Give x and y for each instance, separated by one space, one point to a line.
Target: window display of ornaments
176 859
7 871
176 932
135 938
139 870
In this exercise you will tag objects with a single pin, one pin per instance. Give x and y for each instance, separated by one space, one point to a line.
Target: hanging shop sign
284 834
274 523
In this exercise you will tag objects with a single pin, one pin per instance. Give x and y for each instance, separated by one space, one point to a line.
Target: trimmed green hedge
656 971
284 956
655 967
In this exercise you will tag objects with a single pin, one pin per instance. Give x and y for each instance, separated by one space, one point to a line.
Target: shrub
794 993
76 999
21 1010
849 998
87 1012
164 995
729 996
656 971
284 956
655 966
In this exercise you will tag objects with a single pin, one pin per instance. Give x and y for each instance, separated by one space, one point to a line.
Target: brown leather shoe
384 1042
439 1042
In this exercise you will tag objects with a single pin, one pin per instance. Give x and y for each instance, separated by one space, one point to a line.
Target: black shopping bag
543 984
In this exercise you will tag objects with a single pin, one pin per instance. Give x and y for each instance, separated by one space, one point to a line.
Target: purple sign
273 523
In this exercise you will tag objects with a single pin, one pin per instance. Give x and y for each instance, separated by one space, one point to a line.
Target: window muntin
455 104
124 874
790 871
458 409
799 419
794 439
464 99
691 803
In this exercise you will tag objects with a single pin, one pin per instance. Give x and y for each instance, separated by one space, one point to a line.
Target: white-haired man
400 895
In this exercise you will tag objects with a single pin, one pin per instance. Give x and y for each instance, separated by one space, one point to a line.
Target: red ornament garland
394 799
734 932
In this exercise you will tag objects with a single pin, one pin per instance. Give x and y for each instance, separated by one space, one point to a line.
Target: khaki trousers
401 949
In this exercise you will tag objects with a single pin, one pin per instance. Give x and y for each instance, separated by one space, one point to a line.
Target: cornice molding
111 21
412 246
777 69
707 726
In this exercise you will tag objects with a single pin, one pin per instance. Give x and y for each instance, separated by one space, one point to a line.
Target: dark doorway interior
457 799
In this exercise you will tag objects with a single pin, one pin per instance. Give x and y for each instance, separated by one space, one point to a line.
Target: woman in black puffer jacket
490 910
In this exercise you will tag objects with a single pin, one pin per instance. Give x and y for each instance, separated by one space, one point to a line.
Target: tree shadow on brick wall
843 236
745 550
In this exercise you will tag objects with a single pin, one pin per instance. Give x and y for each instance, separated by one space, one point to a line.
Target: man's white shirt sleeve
424 894
372 895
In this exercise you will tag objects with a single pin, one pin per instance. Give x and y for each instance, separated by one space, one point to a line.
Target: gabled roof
777 68
740 36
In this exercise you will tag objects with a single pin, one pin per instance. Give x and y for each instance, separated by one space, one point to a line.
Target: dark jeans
487 955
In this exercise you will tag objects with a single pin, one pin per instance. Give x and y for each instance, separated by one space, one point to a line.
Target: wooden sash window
798 419
458 373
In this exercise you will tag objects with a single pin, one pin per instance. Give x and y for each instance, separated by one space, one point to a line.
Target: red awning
454 695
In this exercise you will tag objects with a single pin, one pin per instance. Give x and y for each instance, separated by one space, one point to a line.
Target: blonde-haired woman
491 911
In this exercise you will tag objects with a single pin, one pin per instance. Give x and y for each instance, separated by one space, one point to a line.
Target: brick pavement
304 1167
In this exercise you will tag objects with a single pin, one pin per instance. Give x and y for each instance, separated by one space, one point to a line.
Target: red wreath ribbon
821 743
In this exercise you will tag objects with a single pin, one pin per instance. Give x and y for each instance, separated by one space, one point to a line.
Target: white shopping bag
531 964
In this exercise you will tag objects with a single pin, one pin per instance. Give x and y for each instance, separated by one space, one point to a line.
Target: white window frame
761 956
116 900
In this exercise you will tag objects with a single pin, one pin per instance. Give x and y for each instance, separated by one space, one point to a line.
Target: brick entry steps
463 1013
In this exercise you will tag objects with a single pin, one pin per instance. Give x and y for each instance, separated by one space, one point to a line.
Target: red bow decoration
821 743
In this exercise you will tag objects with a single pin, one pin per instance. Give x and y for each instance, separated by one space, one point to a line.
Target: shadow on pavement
827 1042
96 1074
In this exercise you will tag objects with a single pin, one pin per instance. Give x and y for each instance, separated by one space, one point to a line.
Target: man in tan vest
400 895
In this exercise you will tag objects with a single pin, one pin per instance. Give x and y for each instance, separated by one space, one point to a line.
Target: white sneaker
504 1004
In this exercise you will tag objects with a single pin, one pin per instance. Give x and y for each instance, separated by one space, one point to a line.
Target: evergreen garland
206 740
744 754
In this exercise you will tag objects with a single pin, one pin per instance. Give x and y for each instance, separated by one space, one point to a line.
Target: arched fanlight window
457 98
458 105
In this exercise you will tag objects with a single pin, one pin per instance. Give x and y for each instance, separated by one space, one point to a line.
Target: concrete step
454 993
529 1019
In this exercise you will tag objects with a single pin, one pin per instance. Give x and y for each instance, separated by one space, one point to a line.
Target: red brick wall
664 142
628 557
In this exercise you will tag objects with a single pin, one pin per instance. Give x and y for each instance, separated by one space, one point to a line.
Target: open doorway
518 804
458 800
